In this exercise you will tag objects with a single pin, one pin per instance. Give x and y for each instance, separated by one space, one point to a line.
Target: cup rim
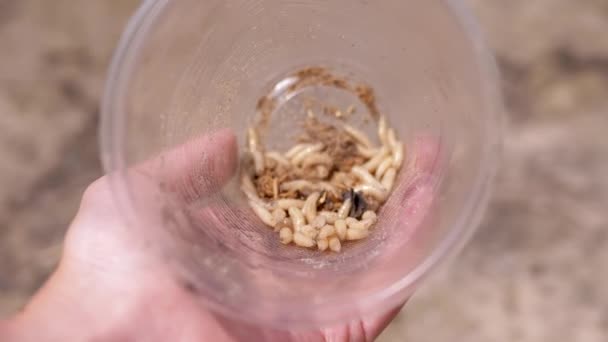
112 134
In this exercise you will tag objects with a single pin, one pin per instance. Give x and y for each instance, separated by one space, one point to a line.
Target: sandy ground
532 273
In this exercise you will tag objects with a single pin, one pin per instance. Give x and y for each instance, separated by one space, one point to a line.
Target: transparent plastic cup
188 69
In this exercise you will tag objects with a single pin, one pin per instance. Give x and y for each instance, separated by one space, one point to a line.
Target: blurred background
534 271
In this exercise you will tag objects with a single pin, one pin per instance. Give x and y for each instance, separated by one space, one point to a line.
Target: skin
109 286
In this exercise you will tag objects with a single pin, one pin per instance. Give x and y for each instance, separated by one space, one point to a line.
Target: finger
361 330
375 326
406 211
197 168
427 151
411 200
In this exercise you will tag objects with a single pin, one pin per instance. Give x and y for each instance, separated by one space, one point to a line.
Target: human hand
109 286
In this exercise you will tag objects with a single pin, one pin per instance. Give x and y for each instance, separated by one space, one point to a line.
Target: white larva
353 223
262 213
287 203
334 244
302 185
297 185
369 218
279 215
343 180
310 207
297 218
340 227
309 231
286 236
378 193
356 234
392 139
330 217
367 224
359 136
382 128
369 215
248 188
326 232
367 152
388 180
398 155
386 163
316 159
275 188
319 222
303 240
322 244
295 150
376 160
285 223
304 153
278 158
253 141
322 171
366 177
325 186
258 162
345 208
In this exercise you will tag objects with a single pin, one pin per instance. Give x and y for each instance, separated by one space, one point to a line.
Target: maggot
386 163
366 177
286 236
322 244
279 215
310 206
388 180
304 153
326 231
353 223
297 218
375 161
334 244
366 151
330 216
303 240
345 208
262 213
248 187
258 162
287 203
278 158
340 228
253 141
398 155
378 193
382 128
295 150
316 159
359 136
309 231
356 234
296 185
391 138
